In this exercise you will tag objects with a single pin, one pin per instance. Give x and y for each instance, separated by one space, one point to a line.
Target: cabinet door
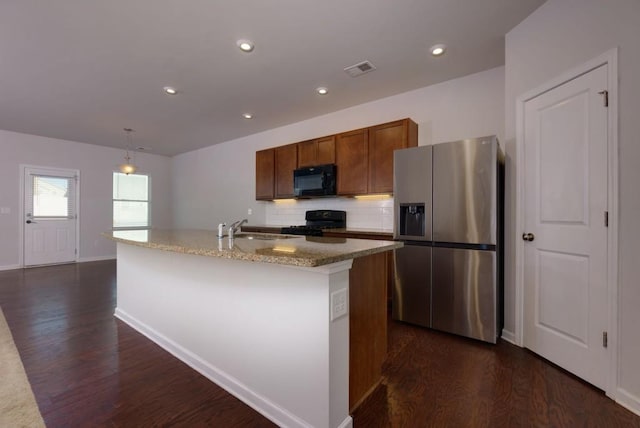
321 151
307 153
326 150
286 160
383 140
265 162
351 160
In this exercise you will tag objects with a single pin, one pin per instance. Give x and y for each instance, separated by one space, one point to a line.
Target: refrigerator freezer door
464 191
412 289
464 293
412 193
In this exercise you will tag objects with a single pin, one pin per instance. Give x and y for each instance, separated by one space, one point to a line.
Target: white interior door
565 200
50 216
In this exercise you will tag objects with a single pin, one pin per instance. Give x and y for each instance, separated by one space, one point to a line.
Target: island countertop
295 250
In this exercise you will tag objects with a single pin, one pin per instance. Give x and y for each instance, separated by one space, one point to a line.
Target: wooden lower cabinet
367 325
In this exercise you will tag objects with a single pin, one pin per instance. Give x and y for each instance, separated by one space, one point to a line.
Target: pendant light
128 167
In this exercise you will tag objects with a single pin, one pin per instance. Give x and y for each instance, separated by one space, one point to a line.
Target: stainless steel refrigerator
448 211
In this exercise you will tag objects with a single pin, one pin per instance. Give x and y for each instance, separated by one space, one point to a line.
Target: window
130 201
52 197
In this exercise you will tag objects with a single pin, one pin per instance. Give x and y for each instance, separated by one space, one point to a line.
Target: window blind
51 196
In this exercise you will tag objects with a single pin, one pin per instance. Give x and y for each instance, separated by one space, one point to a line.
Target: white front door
565 201
50 216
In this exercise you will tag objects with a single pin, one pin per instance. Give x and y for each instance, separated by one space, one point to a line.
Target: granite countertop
292 250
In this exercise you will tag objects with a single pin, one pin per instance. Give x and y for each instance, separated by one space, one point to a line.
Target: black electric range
317 221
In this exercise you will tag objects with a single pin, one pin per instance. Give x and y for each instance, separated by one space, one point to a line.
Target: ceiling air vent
359 69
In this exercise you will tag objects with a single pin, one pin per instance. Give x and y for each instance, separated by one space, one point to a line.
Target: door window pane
50 196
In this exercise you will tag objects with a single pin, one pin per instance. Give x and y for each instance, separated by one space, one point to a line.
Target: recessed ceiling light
437 50
245 45
322 90
247 115
170 90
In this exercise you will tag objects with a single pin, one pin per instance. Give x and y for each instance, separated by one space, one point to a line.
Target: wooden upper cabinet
265 168
320 151
307 153
383 140
364 160
326 150
286 160
352 162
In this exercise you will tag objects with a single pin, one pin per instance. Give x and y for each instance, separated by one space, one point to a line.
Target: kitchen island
264 316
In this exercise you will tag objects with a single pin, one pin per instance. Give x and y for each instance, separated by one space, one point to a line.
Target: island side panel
367 325
261 331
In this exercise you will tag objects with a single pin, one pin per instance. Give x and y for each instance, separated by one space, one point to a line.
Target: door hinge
605 340
605 93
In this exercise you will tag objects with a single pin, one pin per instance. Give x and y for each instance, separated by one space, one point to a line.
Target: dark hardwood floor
88 369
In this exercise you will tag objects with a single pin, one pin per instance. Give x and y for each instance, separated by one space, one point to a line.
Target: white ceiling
83 70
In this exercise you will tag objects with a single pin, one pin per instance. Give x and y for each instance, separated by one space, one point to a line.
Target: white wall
217 183
96 165
560 35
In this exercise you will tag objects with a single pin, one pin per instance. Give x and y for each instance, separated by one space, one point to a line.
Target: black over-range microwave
315 181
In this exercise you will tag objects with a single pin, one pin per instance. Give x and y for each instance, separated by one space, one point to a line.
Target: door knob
528 237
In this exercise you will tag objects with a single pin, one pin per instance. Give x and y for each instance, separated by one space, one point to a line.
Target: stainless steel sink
260 236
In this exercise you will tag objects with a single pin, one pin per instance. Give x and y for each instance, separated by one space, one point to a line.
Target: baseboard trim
261 404
509 336
80 260
96 259
628 400
347 423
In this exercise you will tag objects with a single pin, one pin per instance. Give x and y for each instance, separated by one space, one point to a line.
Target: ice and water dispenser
412 220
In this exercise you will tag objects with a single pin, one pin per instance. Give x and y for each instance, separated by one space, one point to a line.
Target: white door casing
49 216
564 271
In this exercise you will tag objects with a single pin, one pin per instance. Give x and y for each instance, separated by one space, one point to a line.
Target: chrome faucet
220 231
235 226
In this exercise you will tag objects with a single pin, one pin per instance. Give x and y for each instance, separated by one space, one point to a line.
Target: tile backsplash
374 214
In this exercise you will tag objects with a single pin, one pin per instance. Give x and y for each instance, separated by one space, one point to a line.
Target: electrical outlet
339 304
5 210
249 211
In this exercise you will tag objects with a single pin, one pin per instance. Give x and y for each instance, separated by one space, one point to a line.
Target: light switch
5 210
